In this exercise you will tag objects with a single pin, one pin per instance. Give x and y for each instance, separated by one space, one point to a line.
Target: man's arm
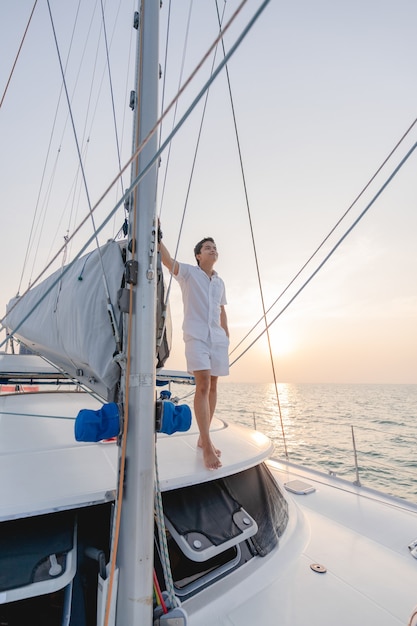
167 260
223 320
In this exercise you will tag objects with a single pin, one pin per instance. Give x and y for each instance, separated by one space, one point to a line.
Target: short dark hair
199 245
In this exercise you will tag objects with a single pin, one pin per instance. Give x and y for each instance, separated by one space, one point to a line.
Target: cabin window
216 526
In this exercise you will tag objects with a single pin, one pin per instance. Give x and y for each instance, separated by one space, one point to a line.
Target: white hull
359 536
243 549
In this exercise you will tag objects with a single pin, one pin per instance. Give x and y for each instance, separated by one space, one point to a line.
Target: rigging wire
179 85
245 189
168 293
123 452
164 556
73 199
18 54
37 226
167 298
37 204
126 371
335 247
111 93
154 159
87 132
77 143
197 145
109 303
77 185
30 245
123 231
352 205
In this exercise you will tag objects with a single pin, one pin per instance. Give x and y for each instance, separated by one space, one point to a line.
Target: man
206 334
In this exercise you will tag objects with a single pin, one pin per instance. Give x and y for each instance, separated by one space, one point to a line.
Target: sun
282 341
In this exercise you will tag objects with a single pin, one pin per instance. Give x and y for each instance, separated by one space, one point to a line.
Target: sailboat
125 525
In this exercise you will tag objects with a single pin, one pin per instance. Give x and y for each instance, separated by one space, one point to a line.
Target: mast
135 553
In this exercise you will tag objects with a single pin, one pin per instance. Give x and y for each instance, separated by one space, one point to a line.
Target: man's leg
213 402
203 400
213 395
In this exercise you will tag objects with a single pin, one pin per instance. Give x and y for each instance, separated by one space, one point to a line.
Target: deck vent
299 487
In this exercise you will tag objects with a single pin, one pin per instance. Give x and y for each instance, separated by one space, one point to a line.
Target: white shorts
204 355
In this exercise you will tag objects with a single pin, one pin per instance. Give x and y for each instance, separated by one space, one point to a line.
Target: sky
322 93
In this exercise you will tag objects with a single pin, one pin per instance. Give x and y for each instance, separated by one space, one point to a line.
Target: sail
68 320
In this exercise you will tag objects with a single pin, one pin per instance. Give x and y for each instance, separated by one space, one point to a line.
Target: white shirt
202 298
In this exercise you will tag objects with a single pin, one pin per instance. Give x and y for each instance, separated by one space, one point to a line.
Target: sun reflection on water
316 421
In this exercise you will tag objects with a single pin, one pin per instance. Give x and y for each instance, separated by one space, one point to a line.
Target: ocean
317 421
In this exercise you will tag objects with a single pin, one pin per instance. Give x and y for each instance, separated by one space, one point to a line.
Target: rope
122 466
17 55
158 593
165 561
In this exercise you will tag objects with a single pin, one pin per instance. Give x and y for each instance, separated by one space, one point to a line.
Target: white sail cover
69 321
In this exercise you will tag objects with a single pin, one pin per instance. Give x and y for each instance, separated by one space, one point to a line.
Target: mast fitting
132 268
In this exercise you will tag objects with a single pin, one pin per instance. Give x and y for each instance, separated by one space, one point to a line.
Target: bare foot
216 450
211 460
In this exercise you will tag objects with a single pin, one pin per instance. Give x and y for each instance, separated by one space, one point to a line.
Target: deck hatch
206 520
224 512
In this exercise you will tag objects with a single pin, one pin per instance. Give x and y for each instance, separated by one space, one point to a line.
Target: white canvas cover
70 323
